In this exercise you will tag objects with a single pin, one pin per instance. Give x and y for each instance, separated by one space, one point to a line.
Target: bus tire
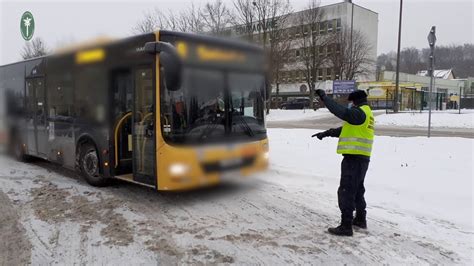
89 166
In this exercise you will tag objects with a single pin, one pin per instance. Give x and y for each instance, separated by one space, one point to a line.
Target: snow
295 115
419 196
439 119
440 167
419 185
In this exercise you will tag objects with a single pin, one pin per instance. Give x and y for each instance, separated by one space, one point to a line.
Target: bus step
129 178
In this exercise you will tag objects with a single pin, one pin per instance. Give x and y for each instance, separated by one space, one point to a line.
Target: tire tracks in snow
15 248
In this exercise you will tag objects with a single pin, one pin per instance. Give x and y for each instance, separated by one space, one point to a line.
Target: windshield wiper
245 126
209 129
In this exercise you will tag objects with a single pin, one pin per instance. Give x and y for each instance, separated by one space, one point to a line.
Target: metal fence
410 100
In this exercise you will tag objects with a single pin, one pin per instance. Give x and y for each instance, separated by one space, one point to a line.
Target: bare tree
280 42
312 45
385 62
188 20
176 21
458 57
217 17
245 17
410 60
35 48
192 20
151 22
281 47
349 60
271 15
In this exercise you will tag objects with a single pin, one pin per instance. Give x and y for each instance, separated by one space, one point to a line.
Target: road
58 219
326 122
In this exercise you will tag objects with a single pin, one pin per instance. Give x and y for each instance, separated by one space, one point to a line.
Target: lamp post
459 105
352 30
396 104
431 42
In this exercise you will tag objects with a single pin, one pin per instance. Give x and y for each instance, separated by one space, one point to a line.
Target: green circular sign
27 26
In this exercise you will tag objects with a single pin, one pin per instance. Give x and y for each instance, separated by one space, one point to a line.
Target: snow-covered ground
295 115
439 119
419 194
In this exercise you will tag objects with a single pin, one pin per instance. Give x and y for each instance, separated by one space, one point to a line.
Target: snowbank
431 177
440 119
295 115
416 186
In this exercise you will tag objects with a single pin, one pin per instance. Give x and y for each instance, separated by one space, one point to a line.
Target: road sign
27 26
431 42
343 86
432 36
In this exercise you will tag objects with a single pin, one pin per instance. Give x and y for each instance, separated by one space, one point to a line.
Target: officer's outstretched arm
354 115
333 132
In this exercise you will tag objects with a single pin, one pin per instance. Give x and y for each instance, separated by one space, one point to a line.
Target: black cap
357 96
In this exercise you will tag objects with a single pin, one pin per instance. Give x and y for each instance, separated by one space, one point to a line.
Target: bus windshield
214 105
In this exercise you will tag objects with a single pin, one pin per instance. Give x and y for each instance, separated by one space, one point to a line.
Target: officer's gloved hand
319 135
320 93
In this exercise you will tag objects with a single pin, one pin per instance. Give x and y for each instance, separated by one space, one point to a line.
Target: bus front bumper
189 168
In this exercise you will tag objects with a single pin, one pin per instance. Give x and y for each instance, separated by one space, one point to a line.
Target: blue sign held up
343 86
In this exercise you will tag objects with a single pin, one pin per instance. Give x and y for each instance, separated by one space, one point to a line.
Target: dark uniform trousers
351 188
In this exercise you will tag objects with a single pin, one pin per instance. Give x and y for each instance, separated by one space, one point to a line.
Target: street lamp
431 42
352 30
397 74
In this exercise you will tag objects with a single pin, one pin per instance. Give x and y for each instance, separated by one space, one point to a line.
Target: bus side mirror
170 61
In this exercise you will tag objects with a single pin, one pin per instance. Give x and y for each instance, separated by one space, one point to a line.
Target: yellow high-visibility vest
358 139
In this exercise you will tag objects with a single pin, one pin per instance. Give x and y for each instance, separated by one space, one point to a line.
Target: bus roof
104 41
217 40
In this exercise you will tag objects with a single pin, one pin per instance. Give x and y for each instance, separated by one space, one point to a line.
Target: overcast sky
65 21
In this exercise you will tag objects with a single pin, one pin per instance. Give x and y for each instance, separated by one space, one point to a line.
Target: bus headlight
266 155
178 169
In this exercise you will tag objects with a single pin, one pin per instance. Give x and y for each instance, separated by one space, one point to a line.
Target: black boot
360 220
345 229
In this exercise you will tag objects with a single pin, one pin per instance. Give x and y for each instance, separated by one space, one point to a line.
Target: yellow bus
167 110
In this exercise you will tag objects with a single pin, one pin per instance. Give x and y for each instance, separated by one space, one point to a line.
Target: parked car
298 103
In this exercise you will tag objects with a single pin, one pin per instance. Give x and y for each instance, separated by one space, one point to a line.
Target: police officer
355 143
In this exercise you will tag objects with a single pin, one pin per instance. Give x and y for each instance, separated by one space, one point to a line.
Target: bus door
122 83
144 162
37 140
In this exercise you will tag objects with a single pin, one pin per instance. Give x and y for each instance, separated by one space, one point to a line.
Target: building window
329 74
321 50
305 30
338 25
338 48
320 74
298 32
322 27
315 28
330 48
330 26
294 32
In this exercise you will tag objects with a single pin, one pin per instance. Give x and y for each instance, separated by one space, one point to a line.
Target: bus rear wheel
89 166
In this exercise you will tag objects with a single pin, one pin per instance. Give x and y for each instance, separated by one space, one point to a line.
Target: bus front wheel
89 166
